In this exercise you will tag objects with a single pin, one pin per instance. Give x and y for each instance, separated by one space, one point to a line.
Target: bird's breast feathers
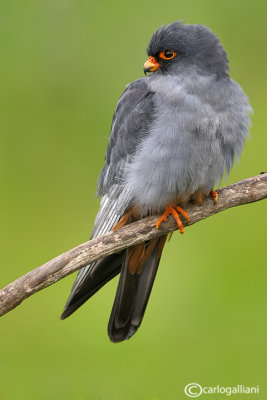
196 119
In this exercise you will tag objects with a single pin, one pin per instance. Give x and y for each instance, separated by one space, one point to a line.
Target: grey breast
200 123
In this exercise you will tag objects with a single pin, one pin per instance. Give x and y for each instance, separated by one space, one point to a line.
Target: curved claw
214 196
174 211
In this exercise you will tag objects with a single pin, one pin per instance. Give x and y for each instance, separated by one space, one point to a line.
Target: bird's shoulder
131 117
131 120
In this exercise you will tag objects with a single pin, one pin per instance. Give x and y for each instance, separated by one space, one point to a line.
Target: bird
175 133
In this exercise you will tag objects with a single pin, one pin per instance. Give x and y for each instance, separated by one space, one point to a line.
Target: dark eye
167 54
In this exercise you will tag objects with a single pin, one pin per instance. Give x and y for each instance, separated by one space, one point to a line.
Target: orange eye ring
167 54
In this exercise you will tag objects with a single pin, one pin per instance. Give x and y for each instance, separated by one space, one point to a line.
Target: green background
64 64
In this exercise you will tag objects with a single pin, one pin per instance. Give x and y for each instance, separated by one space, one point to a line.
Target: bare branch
246 191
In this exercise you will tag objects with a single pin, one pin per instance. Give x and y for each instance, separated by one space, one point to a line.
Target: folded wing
131 120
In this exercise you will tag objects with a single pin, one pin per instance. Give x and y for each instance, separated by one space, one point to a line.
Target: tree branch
246 191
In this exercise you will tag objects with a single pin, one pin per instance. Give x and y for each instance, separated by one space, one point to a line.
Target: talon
183 212
173 210
163 218
214 196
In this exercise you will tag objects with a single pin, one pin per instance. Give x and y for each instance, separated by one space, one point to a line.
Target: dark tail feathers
138 271
132 294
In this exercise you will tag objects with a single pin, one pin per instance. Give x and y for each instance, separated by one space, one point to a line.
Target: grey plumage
174 132
131 120
200 125
131 299
195 45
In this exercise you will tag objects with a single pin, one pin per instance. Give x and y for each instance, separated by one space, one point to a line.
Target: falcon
174 134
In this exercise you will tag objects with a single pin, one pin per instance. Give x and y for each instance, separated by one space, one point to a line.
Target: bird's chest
180 153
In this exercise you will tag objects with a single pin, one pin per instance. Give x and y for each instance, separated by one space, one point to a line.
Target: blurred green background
64 64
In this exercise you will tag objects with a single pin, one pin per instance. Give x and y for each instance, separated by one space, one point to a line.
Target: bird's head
177 47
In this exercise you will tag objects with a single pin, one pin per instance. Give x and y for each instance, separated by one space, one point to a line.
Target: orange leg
214 196
173 210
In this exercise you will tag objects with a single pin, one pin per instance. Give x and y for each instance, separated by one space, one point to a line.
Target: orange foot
214 196
173 210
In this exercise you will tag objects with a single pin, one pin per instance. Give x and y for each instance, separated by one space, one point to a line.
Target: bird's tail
99 274
139 268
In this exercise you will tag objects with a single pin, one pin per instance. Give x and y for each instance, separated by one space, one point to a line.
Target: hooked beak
151 65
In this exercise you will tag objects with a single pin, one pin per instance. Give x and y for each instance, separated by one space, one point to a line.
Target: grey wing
129 126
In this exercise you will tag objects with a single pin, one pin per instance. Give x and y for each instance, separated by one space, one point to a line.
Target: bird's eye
167 54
